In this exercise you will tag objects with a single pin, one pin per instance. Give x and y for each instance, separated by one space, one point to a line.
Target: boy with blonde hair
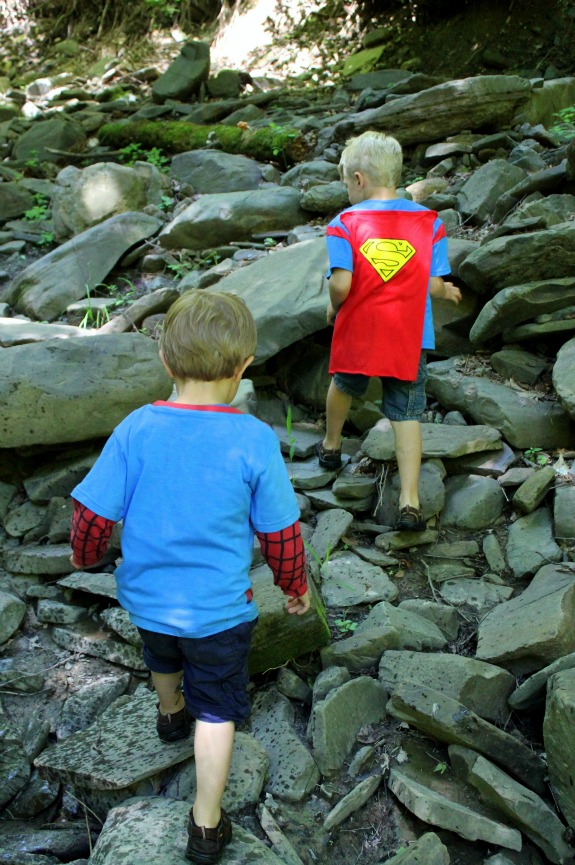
387 257
192 480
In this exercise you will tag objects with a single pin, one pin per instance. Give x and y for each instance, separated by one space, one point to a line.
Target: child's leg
213 746
169 692
408 453
337 408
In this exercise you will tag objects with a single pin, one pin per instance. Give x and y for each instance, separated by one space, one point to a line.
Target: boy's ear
243 366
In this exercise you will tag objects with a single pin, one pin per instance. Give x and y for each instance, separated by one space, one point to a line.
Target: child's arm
339 287
284 553
89 536
444 290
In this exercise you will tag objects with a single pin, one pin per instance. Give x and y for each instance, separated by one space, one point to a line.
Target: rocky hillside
421 711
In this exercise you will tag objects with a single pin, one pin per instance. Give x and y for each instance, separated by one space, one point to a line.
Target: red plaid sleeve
284 553
90 535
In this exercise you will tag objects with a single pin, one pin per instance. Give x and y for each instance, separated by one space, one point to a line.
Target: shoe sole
175 736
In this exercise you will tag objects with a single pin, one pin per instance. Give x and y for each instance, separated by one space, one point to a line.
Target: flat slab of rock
434 808
96 584
449 721
483 688
558 737
118 751
532 691
336 720
535 628
144 830
523 808
347 580
438 440
14 331
531 544
523 419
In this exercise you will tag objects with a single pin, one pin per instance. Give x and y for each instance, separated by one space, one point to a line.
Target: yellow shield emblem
387 256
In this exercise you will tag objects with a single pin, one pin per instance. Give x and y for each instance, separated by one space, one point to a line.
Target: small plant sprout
537 455
291 436
39 211
441 768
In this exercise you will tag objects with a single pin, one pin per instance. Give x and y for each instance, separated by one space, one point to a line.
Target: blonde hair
375 154
207 335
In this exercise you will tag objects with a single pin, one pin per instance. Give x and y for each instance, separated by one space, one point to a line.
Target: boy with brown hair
192 480
387 257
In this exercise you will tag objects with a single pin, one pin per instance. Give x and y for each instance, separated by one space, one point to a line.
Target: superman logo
387 256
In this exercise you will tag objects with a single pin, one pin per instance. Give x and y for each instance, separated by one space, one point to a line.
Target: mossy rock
279 636
268 143
362 61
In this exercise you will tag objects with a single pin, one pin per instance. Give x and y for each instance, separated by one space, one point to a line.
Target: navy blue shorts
401 400
215 670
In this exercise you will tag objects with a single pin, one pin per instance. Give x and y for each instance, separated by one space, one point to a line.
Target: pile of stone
433 654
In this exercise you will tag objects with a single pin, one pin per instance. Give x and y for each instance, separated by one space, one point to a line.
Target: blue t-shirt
340 252
191 485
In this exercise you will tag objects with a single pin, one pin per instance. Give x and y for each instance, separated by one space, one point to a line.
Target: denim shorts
215 670
401 400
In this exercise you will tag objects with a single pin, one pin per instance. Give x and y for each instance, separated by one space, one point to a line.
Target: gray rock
41 559
438 440
563 377
351 484
293 686
558 740
444 616
85 197
518 364
520 303
470 103
523 808
327 680
336 720
118 621
533 629
415 632
12 612
531 543
103 584
221 217
326 500
441 571
58 479
15 677
523 419
93 646
38 795
427 850
213 171
531 692
493 553
82 708
130 835
457 251
351 803
437 809
361 652
479 194
93 384
46 136
293 772
56 612
491 464
15 200
564 512
513 260
405 540
23 519
331 526
14 761
449 721
347 581
325 197
272 301
45 288
483 688
185 74
478 595
532 491
311 173
472 502
280 844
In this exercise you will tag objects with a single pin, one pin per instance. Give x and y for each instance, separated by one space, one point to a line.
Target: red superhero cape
378 329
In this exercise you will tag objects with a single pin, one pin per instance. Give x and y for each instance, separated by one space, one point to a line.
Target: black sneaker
173 726
205 845
328 459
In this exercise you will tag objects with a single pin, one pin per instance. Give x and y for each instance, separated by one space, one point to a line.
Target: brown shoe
173 726
410 520
205 845
328 459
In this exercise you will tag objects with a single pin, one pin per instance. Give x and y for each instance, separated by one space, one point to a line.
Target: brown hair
207 335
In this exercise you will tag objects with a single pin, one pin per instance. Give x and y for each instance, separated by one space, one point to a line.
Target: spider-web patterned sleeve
284 553
90 535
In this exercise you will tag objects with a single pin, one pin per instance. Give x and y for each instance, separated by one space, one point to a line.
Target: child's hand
451 292
299 606
75 563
